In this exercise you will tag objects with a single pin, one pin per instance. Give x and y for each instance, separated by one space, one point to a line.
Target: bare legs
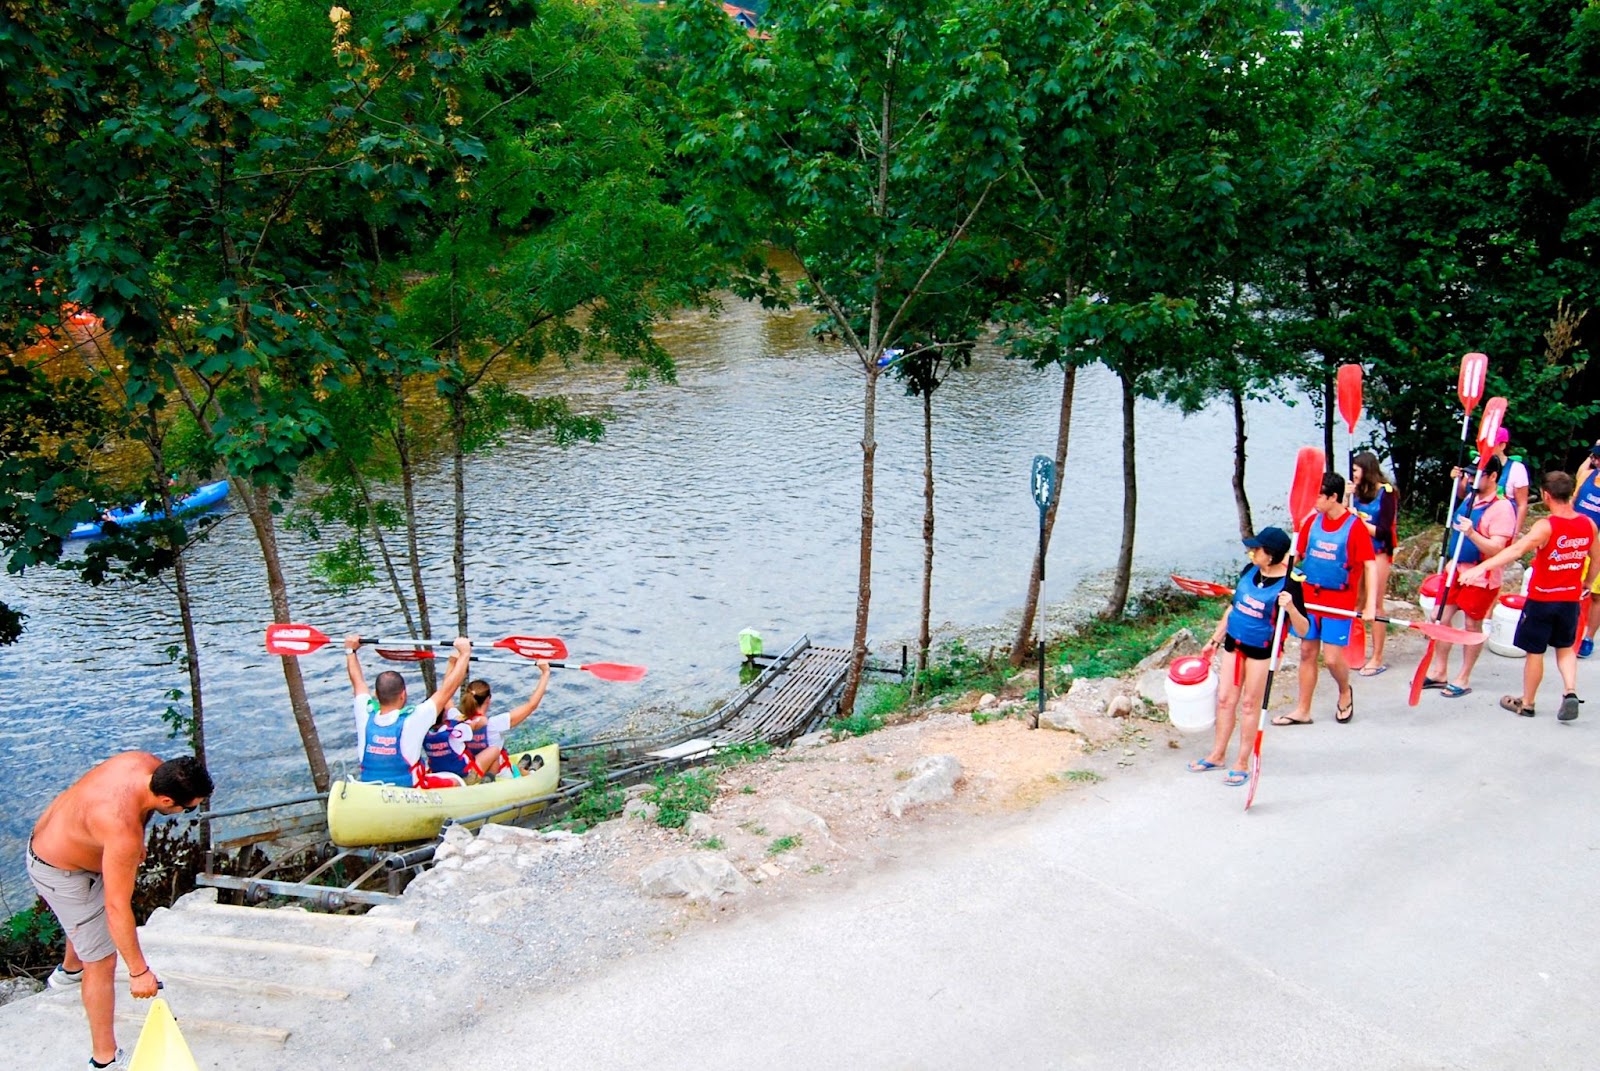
1241 707
1338 668
99 1002
1379 631
1439 667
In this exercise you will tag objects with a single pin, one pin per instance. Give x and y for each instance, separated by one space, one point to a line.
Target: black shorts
1249 650
1545 625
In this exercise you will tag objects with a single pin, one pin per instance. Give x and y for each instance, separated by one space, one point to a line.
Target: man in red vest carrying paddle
1565 546
1335 553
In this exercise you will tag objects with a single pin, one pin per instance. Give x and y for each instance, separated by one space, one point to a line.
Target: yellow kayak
361 814
161 1047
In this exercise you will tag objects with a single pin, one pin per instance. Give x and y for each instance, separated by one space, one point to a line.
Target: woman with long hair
1377 503
486 745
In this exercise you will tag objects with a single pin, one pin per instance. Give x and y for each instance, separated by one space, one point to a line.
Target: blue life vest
1470 554
480 740
1369 510
1327 561
381 760
1587 498
1250 620
439 755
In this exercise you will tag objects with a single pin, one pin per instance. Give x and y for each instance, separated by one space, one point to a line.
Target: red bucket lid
1514 602
1432 586
1191 669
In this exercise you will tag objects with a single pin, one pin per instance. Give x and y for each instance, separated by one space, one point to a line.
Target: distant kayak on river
203 497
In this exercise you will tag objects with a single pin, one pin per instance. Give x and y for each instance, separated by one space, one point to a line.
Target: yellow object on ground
361 814
161 1047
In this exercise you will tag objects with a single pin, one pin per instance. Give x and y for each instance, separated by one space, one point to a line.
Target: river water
727 500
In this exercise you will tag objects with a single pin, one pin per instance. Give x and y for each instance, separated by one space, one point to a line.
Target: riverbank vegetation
301 247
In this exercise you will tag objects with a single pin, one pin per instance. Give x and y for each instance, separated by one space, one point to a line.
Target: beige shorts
78 897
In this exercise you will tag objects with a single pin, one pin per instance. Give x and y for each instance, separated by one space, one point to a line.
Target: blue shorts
1334 631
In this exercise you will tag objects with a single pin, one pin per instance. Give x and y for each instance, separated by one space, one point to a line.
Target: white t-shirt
1516 476
411 733
495 731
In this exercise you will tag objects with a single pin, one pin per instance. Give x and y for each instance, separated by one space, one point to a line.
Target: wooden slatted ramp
797 697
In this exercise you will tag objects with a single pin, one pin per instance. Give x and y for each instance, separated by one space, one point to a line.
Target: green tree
863 139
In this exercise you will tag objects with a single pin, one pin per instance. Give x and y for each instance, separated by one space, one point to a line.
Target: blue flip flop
1202 765
1236 778
1454 691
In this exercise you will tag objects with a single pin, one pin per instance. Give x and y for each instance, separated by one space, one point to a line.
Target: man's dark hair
182 780
389 687
1333 484
1559 486
1493 466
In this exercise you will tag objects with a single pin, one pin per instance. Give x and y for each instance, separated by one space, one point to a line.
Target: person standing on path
1484 524
84 857
1373 497
1513 475
1264 592
1336 558
388 732
1586 500
1565 546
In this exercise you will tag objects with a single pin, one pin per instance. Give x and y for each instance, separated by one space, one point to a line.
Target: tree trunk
923 636
1118 603
258 505
402 447
869 450
1022 647
1247 526
458 459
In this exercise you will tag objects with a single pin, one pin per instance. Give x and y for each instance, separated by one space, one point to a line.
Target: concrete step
131 1014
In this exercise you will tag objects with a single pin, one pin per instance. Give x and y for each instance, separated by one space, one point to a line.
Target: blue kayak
203 497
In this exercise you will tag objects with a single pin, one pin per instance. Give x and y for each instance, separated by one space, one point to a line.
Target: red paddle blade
1494 415
1357 645
538 648
409 654
1470 384
613 671
1419 676
1350 395
1446 634
294 640
1203 588
1309 465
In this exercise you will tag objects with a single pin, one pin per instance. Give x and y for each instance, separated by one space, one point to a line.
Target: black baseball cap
1272 540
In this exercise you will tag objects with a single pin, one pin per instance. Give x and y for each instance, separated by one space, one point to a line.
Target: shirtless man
83 858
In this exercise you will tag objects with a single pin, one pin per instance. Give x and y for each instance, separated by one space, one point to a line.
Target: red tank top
1558 565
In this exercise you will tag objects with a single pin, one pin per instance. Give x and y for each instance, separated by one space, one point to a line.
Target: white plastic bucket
1503 626
1192 694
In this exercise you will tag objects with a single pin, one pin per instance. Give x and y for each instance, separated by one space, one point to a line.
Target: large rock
457 839
697 876
933 780
1181 643
781 818
1152 687
17 988
1060 716
515 836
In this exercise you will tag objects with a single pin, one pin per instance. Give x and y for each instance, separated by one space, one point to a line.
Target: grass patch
748 790
679 795
784 844
858 724
984 717
599 802
755 829
1101 647
739 754
30 942
1082 777
711 844
902 775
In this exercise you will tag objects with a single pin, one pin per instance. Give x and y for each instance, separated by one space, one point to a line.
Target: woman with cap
1264 592
1374 499
1513 475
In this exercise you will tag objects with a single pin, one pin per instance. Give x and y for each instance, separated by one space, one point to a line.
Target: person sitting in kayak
444 751
388 731
486 751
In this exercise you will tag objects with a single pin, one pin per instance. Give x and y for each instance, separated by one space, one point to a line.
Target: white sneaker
118 1062
60 978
